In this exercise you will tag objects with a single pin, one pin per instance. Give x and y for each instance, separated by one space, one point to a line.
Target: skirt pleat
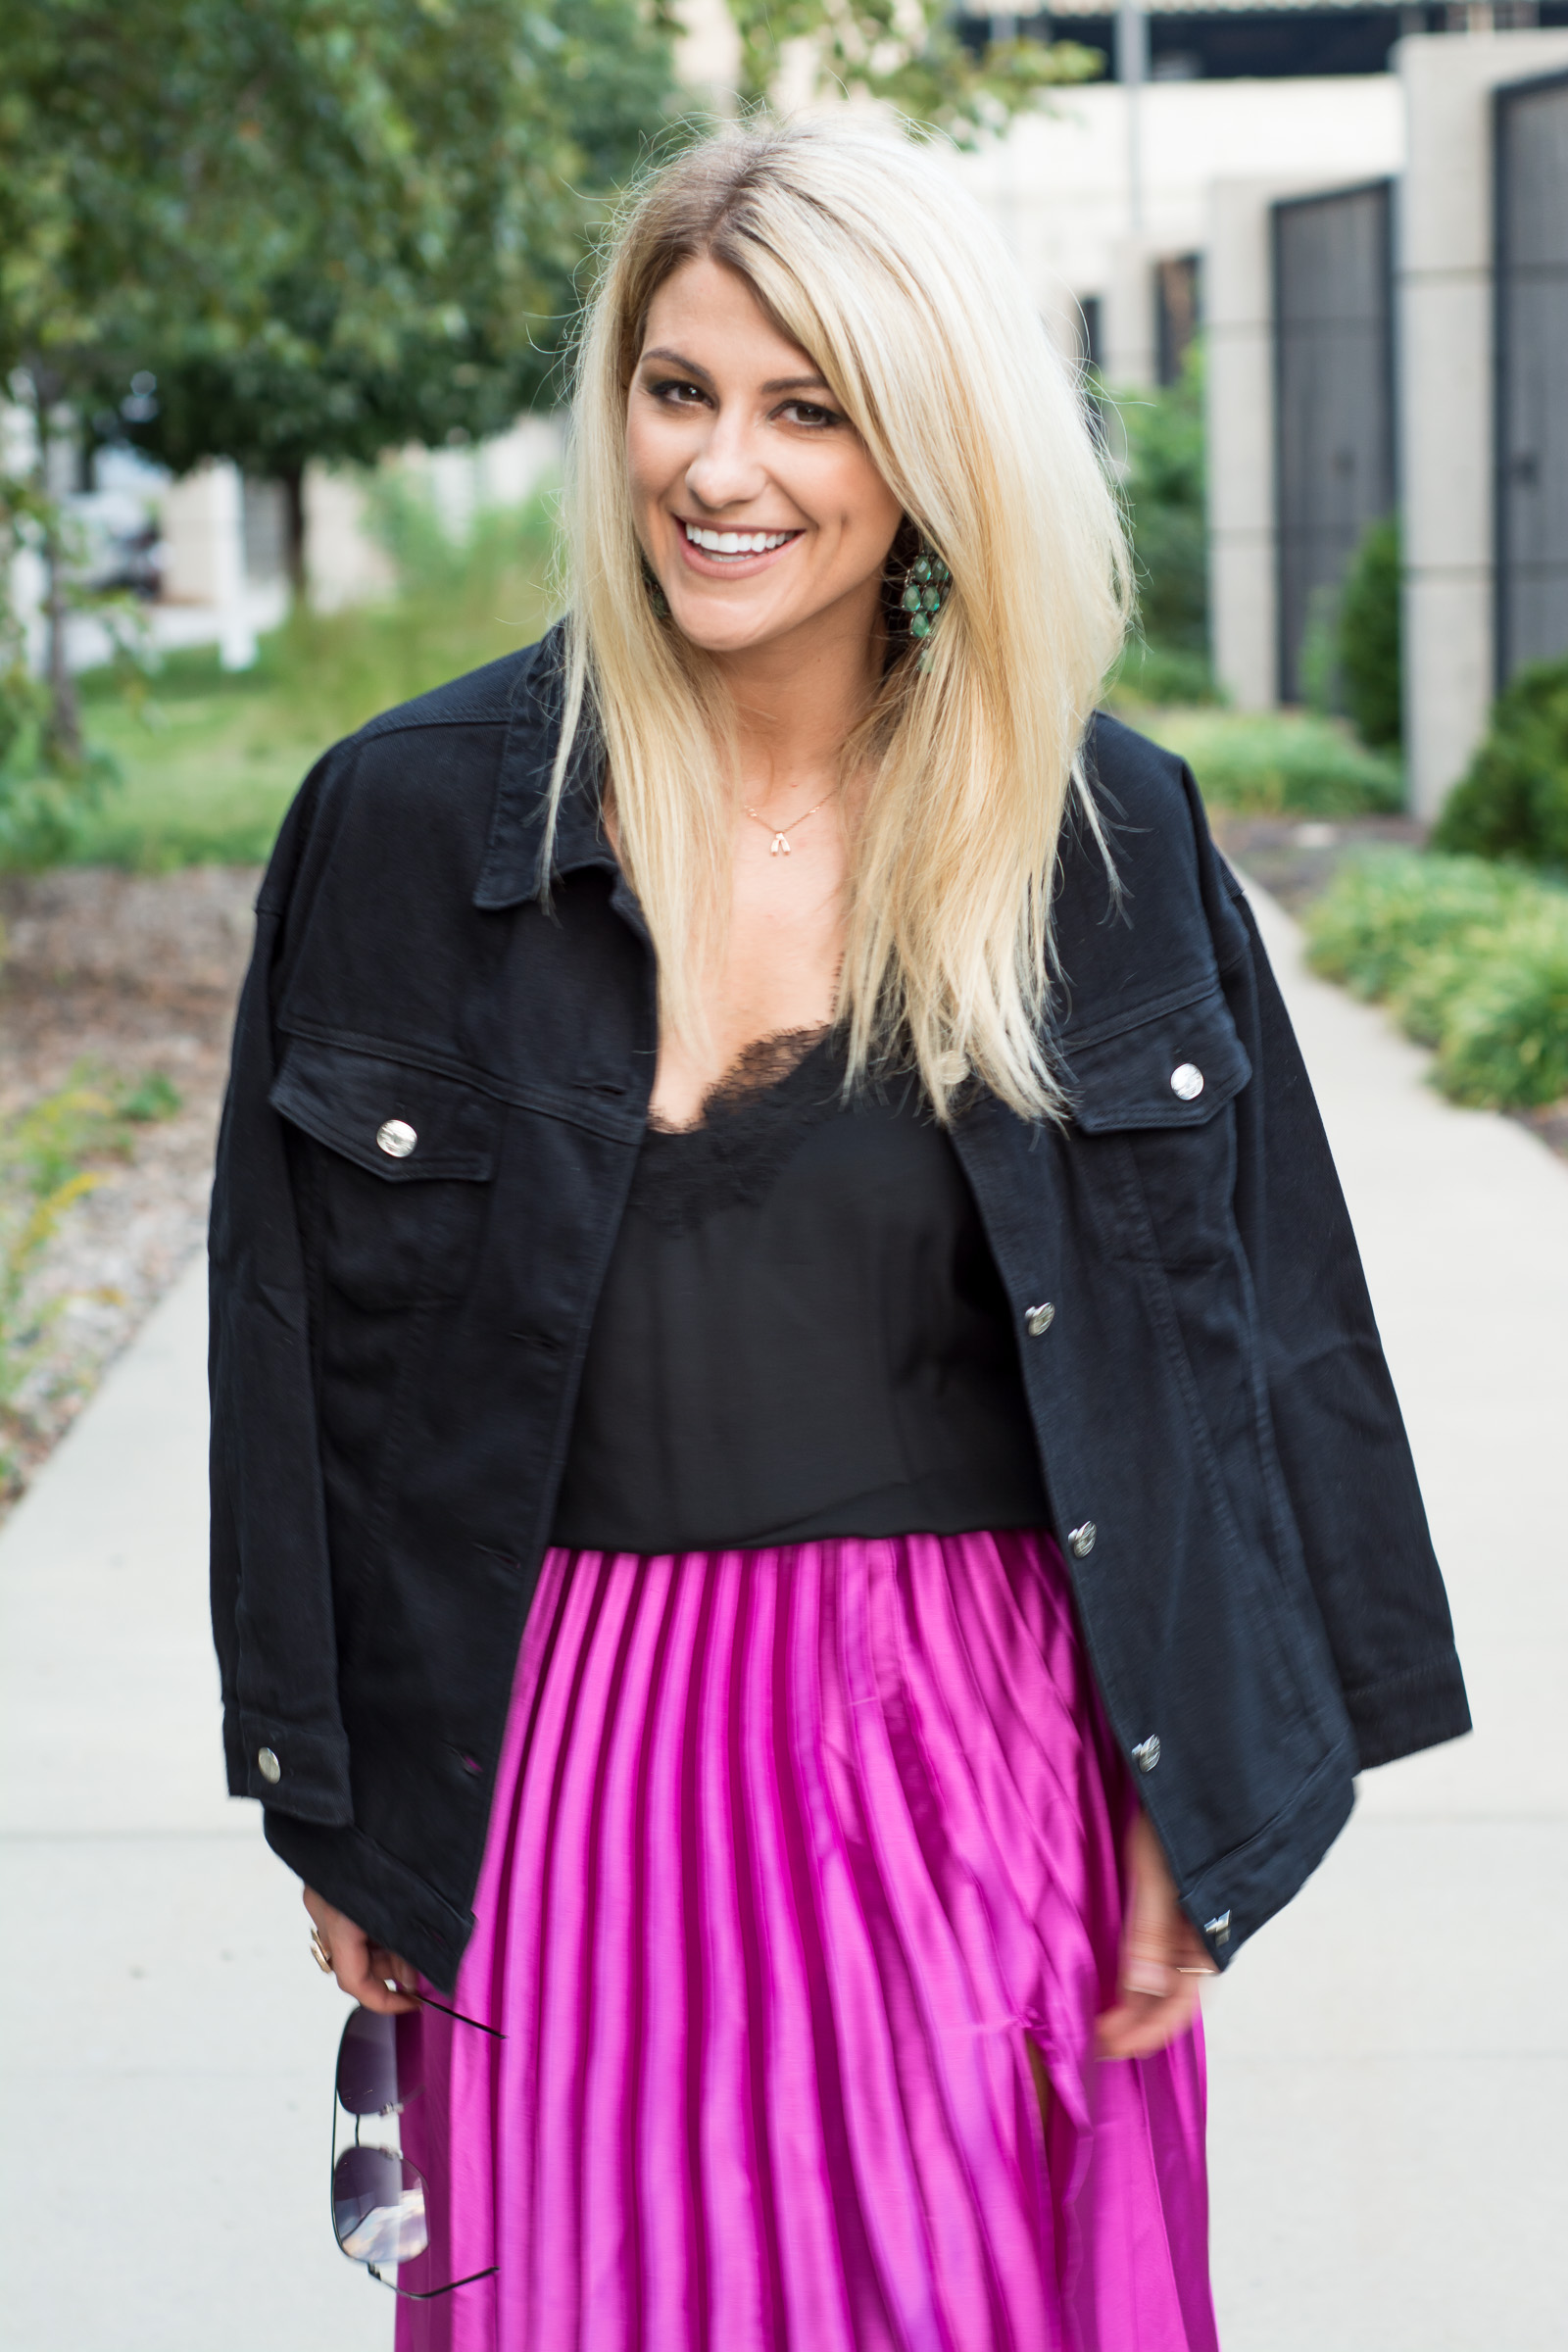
801 1892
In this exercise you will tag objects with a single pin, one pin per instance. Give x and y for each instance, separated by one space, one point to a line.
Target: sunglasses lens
378 2206
378 2062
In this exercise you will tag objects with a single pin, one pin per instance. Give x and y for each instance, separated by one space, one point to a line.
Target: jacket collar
511 867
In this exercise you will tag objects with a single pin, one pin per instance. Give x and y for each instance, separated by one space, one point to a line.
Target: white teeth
735 543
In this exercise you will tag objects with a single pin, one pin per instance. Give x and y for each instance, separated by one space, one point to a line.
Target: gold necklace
781 834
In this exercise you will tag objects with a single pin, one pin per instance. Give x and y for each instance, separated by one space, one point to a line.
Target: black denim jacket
439 1086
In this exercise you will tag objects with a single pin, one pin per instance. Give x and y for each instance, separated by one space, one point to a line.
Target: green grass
210 760
208 770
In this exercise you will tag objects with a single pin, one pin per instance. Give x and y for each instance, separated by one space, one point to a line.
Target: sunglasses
380 2201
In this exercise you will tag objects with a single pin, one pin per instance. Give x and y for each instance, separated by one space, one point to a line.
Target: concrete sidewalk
1389 2060
169 2042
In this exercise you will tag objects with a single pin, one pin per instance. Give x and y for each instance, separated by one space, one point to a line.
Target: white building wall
345 563
708 53
203 546
1239 393
202 521
1059 185
1445 297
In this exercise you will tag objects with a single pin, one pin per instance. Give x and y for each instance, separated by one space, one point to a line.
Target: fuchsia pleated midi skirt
796 1856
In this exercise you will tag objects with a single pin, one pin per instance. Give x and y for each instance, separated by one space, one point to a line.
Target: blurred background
286 293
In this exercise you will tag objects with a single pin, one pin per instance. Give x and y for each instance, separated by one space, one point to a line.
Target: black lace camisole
801 1331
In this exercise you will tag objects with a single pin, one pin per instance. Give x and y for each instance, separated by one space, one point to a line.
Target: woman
752 1122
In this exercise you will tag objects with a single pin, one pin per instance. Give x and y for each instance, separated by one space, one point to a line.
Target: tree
910 54
410 196
83 202
428 195
278 230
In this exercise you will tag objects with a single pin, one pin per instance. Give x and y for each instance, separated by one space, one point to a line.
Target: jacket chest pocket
1158 1085
396 1199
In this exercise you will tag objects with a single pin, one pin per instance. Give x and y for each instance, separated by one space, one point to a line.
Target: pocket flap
396 1121
1175 1069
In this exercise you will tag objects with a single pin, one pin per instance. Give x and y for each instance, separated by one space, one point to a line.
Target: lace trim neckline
756 1070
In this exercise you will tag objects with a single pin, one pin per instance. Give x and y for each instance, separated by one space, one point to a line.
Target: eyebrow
779 383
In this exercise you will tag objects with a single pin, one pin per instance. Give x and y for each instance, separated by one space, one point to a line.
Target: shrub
1278 763
1514 801
1163 489
42 817
1506 1037
1391 910
1149 676
1368 637
1471 956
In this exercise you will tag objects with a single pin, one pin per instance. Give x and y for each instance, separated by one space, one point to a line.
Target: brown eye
676 394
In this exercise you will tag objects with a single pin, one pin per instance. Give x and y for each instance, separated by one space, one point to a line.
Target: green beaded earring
925 591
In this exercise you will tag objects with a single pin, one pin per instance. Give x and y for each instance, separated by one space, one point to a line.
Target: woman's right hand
1163 1958
367 1971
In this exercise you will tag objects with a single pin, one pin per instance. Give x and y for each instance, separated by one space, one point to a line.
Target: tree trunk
62 745
292 478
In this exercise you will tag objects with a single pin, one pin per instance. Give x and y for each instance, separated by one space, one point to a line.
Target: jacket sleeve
1350 1479
272 1593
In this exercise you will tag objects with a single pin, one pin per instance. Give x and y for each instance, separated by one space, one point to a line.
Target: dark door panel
1334 399
1531 347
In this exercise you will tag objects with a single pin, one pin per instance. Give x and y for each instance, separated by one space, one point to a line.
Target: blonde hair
873 259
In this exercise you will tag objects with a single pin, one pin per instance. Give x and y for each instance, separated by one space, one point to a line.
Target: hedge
1514 801
1279 762
1471 956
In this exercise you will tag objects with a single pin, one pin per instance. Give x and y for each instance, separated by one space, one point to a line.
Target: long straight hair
872 258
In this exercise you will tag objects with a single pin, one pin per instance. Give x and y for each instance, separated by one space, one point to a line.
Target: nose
726 470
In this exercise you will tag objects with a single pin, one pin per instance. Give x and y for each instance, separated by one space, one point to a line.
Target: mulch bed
121 976
1294 858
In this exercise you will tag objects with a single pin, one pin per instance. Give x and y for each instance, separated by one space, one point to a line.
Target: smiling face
756 502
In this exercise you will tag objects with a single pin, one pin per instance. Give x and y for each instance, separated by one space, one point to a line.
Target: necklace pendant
779 843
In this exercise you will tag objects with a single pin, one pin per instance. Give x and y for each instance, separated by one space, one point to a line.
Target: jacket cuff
1408 1712
297 1769
394 1905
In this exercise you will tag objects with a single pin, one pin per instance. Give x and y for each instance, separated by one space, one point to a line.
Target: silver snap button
1039 1319
396 1138
268 1764
1187 1081
1146 1755
1081 1542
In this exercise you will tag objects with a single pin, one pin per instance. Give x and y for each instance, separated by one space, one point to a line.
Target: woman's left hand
367 1971
1158 1941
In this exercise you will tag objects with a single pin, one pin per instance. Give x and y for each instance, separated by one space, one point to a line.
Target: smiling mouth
735 544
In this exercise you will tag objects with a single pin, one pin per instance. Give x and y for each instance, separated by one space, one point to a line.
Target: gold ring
321 1952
